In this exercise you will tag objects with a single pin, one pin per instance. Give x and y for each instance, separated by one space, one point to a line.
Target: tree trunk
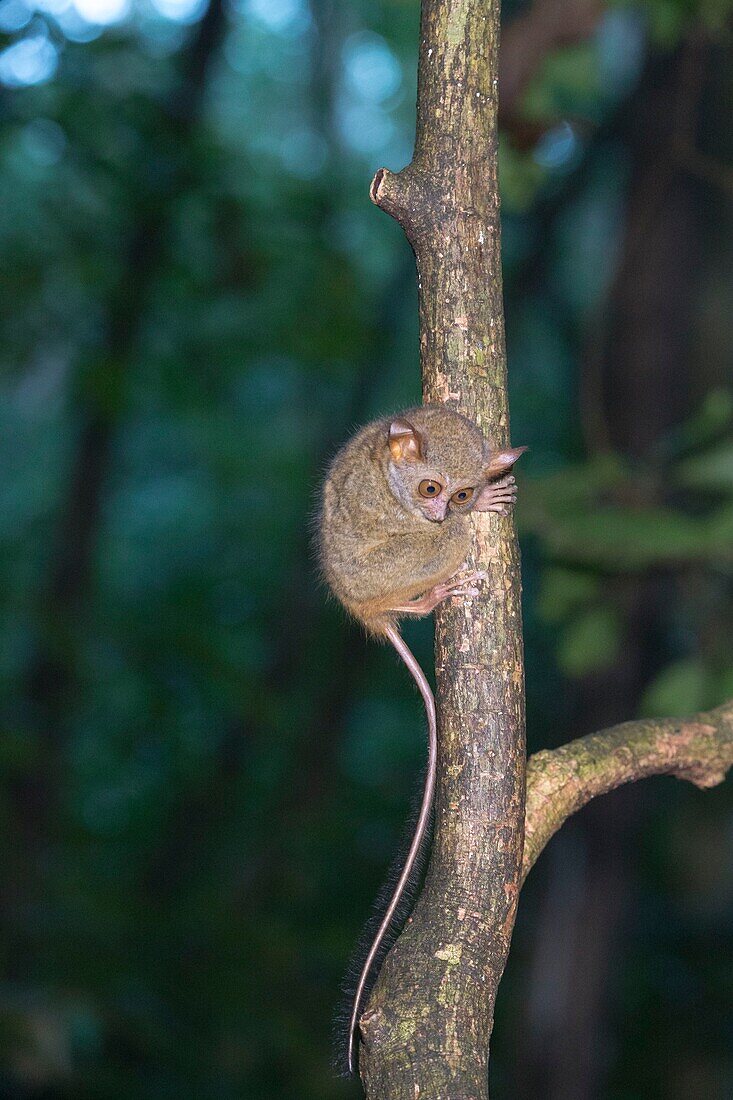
427 1025
641 376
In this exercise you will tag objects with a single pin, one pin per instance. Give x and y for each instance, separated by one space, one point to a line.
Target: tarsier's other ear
500 462
405 441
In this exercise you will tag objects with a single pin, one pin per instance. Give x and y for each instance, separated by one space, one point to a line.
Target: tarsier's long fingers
506 487
498 496
461 590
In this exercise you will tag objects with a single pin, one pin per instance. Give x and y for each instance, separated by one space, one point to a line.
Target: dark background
204 769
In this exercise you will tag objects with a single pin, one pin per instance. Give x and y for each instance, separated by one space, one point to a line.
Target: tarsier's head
439 462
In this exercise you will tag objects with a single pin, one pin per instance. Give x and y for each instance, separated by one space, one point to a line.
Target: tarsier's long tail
420 829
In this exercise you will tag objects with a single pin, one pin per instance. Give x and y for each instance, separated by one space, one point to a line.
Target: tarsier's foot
457 585
498 496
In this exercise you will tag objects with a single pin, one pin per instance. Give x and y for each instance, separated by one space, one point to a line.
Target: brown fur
377 550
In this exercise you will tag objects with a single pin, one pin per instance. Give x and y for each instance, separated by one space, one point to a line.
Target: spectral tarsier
394 533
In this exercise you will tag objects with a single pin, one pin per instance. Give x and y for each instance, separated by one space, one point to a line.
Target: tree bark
561 781
427 1026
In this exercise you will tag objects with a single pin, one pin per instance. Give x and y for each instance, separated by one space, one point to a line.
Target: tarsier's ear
405 441
500 462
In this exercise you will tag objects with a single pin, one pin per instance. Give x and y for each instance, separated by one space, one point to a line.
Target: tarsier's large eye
463 496
429 489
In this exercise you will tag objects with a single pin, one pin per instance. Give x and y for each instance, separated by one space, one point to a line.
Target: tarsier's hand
498 496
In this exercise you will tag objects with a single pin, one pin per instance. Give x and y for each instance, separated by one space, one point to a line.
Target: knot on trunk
408 196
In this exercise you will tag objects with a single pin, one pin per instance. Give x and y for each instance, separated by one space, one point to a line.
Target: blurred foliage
205 770
601 518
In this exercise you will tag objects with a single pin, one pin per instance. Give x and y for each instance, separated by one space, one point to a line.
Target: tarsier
394 535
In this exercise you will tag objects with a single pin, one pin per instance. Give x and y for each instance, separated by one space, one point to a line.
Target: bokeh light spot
102 12
14 15
282 16
620 42
53 7
371 69
365 127
33 60
557 147
181 11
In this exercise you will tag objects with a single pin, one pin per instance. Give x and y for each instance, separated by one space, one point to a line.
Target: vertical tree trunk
648 375
427 1026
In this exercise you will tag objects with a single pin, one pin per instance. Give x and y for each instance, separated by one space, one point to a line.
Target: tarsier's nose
436 509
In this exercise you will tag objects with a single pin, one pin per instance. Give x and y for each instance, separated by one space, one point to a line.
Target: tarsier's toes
464 585
461 590
466 578
477 574
457 585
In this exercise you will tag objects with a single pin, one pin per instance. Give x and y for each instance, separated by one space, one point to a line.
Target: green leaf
679 689
520 175
712 470
666 22
590 642
563 591
622 540
706 425
723 684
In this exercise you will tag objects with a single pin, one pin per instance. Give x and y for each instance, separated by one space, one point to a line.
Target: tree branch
561 781
428 1022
